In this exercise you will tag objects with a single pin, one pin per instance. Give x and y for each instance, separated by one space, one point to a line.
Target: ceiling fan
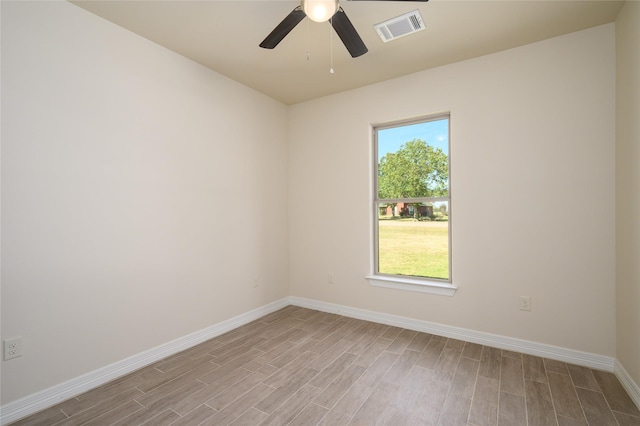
321 11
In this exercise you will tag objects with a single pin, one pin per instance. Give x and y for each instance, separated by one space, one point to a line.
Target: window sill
409 284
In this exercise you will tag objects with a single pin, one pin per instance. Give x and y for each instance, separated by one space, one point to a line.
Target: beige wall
140 195
628 187
532 160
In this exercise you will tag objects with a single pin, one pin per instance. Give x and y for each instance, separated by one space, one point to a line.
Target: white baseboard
39 401
585 359
627 383
44 399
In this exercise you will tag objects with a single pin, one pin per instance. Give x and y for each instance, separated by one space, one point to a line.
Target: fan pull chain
308 41
331 43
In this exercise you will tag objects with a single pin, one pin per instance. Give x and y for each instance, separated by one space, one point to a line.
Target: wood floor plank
626 420
511 354
410 390
224 376
233 392
294 352
285 413
156 401
45 417
333 370
445 368
583 377
615 394
117 413
558 367
512 410
401 368
165 418
566 421
428 405
309 416
392 332
392 416
565 399
272 401
332 393
402 341
284 334
595 407
378 369
204 394
101 407
375 405
372 353
333 338
455 344
431 353
361 345
484 405
511 376
185 383
237 347
145 379
294 367
323 331
256 362
251 417
490 363
327 357
419 342
539 405
347 406
465 376
240 405
534 369
195 417
472 350
455 411
148 416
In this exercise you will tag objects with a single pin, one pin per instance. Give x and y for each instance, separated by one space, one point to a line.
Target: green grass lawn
408 247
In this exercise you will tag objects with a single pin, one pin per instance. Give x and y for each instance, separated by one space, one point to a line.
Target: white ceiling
224 36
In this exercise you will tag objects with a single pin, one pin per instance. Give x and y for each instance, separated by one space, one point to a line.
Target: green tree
415 170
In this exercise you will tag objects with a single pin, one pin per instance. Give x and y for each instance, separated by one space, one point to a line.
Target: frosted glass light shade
320 10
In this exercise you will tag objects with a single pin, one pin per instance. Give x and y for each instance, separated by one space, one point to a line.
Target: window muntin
412 200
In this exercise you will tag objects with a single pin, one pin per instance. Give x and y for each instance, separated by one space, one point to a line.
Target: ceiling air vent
401 26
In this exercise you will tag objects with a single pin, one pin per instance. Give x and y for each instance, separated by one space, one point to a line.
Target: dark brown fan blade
348 34
283 28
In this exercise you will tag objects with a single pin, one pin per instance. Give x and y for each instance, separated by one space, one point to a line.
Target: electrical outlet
256 282
330 278
12 348
525 303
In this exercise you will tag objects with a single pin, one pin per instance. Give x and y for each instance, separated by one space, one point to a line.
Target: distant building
407 209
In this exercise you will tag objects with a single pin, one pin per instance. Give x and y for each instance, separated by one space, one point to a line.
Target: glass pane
414 241
413 160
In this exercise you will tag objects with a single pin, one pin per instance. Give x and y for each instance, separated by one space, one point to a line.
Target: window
412 206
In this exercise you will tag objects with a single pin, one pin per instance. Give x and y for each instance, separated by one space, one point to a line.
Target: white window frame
402 282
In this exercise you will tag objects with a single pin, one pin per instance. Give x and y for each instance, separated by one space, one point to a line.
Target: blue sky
434 133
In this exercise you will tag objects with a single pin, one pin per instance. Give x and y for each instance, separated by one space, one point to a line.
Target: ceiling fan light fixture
320 10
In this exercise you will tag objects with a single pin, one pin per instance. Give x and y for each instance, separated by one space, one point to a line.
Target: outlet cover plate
525 303
12 348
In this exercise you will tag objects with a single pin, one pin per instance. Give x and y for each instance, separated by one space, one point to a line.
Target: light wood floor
303 367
